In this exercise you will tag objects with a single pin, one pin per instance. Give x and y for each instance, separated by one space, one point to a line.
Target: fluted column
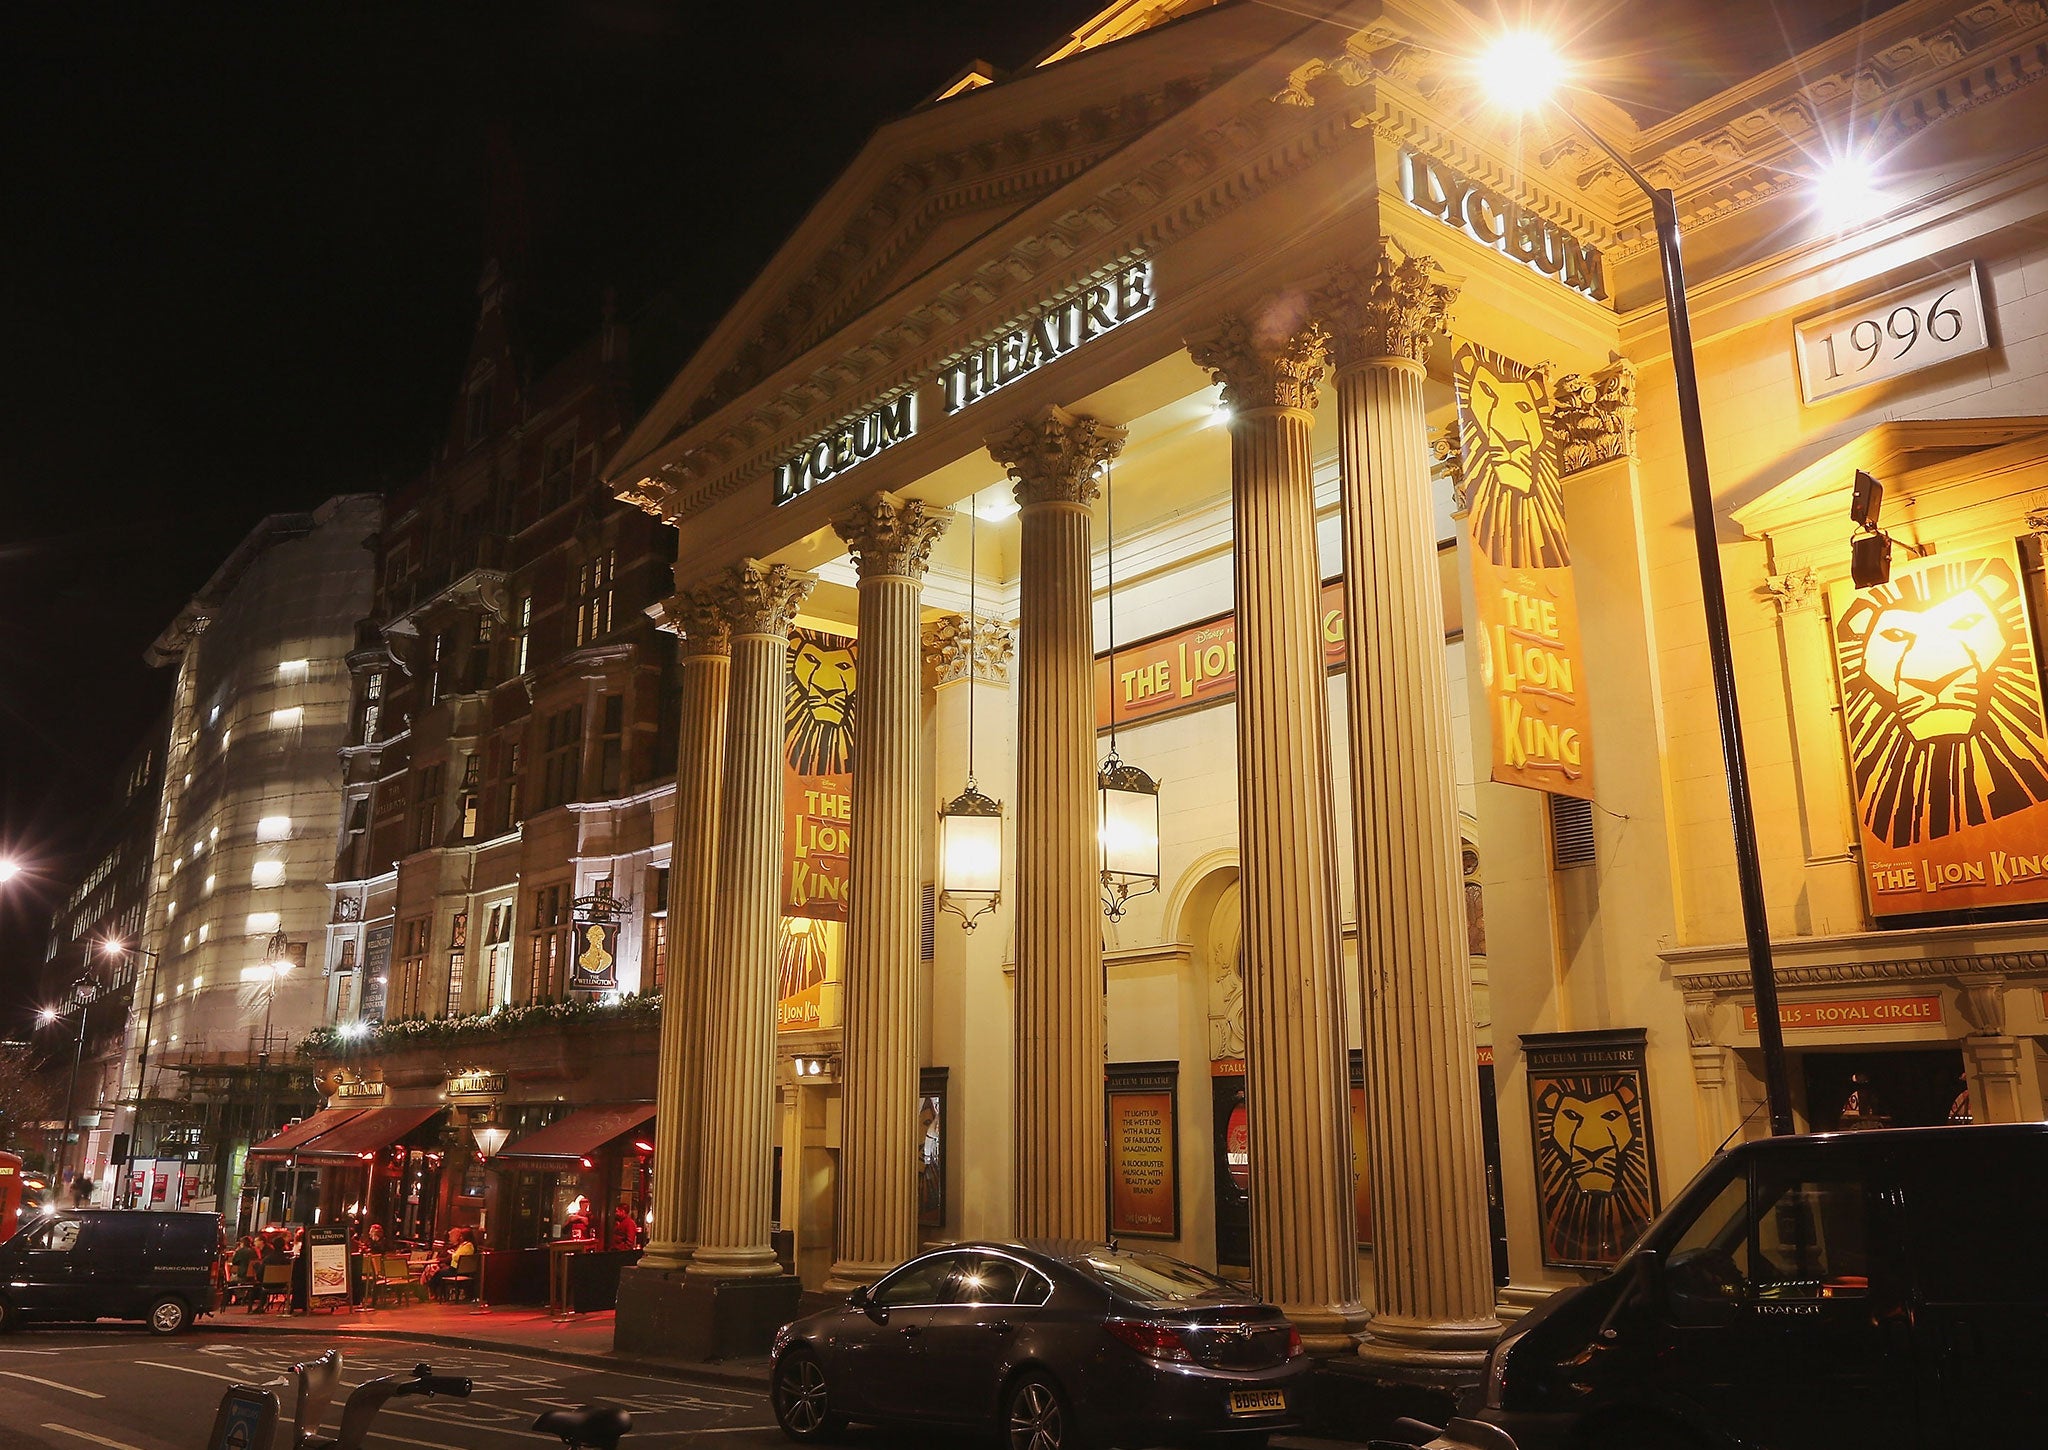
889 538
705 667
1297 1093
1056 461
1432 1268
758 602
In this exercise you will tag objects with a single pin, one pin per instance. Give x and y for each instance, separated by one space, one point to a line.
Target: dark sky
238 256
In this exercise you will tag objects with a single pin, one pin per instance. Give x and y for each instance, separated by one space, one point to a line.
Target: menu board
1144 1151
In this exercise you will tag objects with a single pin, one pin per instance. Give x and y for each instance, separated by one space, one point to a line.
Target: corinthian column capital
691 617
756 598
1392 307
890 536
1057 457
1273 361
954 648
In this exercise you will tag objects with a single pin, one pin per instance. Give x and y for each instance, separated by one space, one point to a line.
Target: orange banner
1852 1012
1144 1194
1948 748
1191 667
1531 662
817 774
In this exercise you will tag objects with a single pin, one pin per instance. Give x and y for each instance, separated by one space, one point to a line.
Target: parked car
161 1268
1884 1289
1057 1345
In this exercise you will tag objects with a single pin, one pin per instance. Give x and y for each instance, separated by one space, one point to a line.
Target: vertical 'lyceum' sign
1523 600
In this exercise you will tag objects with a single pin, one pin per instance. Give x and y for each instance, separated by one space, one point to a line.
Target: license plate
1257 1402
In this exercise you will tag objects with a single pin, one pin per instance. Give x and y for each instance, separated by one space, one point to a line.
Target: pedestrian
625 1232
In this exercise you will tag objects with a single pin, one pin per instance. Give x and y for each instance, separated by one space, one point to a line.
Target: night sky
239 260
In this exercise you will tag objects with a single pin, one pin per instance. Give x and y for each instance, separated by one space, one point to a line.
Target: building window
610 745
274 828
412 968
498 956
345 997
267 873
458 961
524 635
291 672
561 760
594 597
440 649
289 718
373 707
478 421
479 672
260 923
426 806
548 944
657 935
511 781
557 468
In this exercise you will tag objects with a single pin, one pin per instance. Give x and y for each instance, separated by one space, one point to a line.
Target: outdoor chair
275 1288
394 1279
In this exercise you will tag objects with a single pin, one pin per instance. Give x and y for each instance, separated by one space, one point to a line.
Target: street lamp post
117 949
81 991
1533 75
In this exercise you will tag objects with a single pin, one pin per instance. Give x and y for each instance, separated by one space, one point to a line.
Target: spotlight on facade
1846 192
1520 71
970 856
47 1016
9 868
1870 559
1128 830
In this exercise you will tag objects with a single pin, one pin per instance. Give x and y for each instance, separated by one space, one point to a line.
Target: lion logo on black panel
1592 1166
1515 500
1942 701
817 714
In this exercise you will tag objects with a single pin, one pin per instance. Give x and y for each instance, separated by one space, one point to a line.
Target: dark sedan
1057 1345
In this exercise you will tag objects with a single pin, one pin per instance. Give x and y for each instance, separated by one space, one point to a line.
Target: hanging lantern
970 855
1127 827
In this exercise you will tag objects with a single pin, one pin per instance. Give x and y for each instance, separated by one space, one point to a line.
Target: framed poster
931 1147
1144 1150
1589 1116
330 1264
376 970
817 774
1948 747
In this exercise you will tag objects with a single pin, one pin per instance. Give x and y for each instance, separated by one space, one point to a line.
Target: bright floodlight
112 948
1520 71
9 868
47 1016
1846 192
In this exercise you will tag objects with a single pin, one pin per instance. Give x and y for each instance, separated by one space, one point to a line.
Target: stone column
1297 1092
889 538
1991 1057
1056 461
758 602
704 649
1432 1267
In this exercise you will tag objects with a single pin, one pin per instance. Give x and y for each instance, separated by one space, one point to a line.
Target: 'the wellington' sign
1047 334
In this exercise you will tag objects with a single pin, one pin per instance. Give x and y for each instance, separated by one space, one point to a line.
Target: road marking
32 1351
94 1439
15 1374
209 1374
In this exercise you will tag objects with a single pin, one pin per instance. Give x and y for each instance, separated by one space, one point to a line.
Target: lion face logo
1516 503
817 715
1942 701
1593 1165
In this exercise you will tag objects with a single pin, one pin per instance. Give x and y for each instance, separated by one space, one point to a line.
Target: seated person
461 1263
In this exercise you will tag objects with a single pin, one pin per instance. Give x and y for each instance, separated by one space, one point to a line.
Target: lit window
177 864
285 719
171 911
209 885
214 834
180 991
261 923
188 777
197 983
213 716
198 849
225 737
274 828
267 873
288 670
204 931
188 941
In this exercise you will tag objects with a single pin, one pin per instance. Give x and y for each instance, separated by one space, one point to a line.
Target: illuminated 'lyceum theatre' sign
1021 348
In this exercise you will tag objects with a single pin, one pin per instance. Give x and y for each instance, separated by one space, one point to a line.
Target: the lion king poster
1530 660
1948 747
1589 1110
817 812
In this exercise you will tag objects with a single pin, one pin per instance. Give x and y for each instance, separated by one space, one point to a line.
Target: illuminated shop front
1291 438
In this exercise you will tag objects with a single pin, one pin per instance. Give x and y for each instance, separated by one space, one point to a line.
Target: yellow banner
1524 606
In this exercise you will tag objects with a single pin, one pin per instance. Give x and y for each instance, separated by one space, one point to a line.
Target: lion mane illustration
1941 701
1592 1166
1511 477
817 713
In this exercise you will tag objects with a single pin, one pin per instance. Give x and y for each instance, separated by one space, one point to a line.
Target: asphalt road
124 1389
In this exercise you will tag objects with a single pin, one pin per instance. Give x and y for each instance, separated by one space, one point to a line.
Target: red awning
303 1132
376 1129
564 1143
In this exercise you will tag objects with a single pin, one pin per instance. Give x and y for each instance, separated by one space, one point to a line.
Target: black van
161 1268
1883 1289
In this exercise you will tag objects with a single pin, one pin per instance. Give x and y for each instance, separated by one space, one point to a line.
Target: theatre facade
1233 397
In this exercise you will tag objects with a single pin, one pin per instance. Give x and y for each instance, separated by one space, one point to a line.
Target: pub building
1236 472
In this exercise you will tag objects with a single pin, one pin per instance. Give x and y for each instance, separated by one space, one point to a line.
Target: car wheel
1037 1416
168 1315
802 1399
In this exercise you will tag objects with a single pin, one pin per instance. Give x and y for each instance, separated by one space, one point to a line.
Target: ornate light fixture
971 824
1127 799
